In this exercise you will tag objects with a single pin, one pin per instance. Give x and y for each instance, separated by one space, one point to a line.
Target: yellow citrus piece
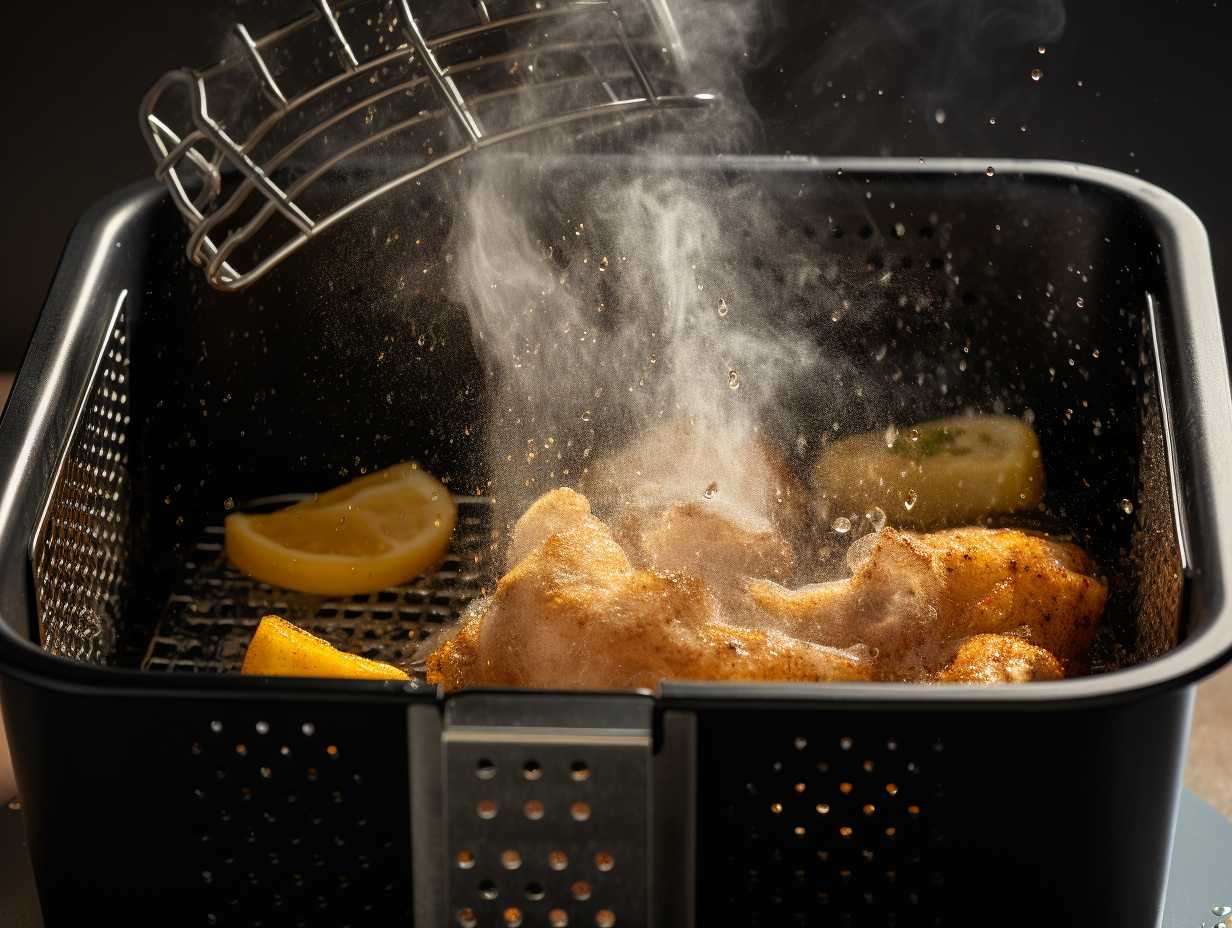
280 649
375 532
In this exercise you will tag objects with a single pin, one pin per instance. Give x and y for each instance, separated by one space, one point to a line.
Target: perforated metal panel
828 821
292 822
80 552
547 805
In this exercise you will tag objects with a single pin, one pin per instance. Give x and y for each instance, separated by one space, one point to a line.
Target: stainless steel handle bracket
543 808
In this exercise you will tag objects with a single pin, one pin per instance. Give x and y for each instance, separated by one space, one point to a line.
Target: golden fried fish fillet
1000 659
574 613
911 594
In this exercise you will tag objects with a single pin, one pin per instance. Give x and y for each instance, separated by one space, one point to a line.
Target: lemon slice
281 649
944 472
375 532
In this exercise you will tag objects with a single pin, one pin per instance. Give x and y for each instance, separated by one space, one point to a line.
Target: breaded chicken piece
911 594
554 512
574 613
1000 659
720 546
682 499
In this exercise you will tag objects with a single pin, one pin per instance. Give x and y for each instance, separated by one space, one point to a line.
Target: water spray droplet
1127 507
1036 74
990 170
1042 50
910 500
891 435
722 308
585 415
733 379
992 120
940 117
876 518
228 504
842 525
711 490
1221 911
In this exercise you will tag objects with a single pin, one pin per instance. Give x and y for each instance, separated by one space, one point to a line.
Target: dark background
1142 87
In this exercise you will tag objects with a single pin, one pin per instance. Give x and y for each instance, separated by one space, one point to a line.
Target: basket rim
46 383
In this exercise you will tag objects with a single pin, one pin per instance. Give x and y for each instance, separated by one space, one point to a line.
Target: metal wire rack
213 609
252 149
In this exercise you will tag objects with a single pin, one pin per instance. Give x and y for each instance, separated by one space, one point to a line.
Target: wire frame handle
195 163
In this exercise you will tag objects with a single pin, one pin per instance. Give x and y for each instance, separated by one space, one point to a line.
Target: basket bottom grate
213 608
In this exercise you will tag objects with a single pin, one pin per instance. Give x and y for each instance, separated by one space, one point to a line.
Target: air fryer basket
149 404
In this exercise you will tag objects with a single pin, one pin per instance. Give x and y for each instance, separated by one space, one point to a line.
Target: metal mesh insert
213 608
80 553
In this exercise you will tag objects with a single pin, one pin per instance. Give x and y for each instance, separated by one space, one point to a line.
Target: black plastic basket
158 790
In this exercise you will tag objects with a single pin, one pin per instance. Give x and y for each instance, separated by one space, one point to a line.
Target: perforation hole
558 860
534 892
513 916
605 918
467 918
485 769
485 809
532 770
579 772
580 811
533 810
465 860
604 861
558 918
487 890
511 860
580 890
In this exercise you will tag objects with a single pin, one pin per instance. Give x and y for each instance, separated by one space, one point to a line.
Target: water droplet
940 117
733 379
891 435
1036 74
876 518
228 504
1042 50
1080 302
711 490
1221 911
585 415
722 308
842 525
1127 507
992 120
990 171
420 341
910 500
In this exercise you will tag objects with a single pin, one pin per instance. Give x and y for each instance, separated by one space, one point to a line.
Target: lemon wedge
934 474
281 649
375 532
